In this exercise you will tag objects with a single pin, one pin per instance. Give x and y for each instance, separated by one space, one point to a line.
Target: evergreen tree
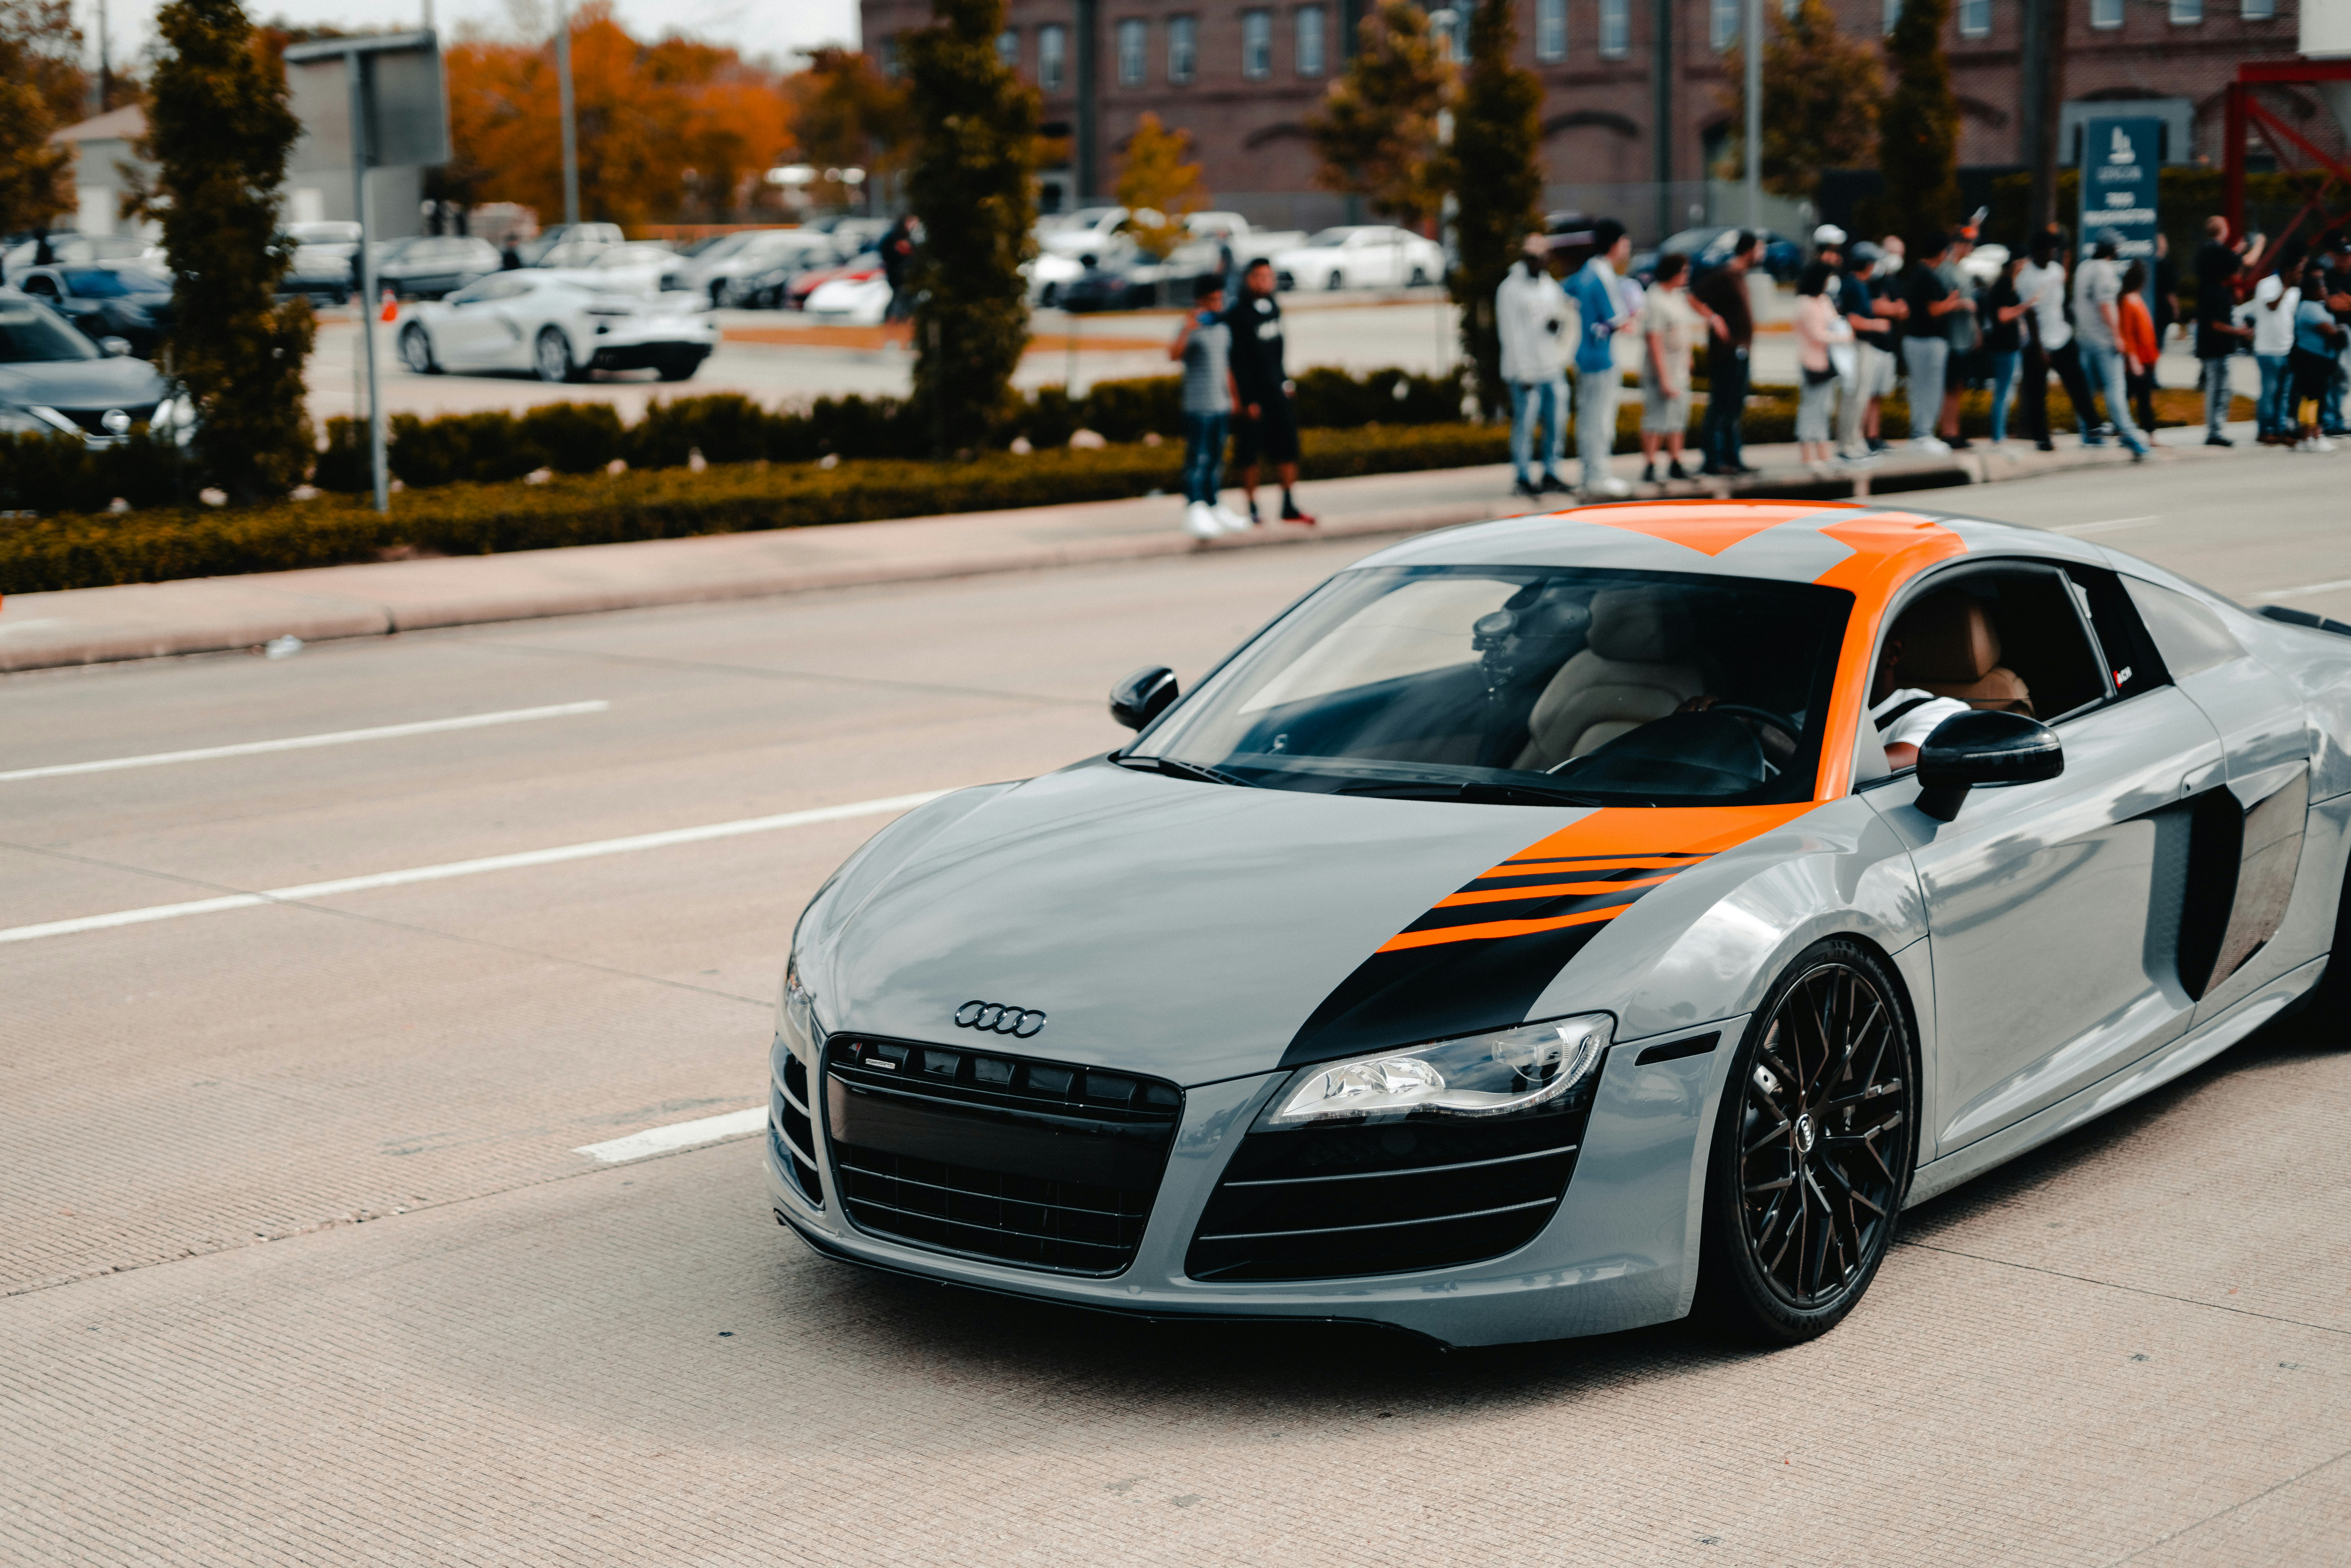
968 181
1376 131
1918 134
1498 185
1823 94
218 132
40 89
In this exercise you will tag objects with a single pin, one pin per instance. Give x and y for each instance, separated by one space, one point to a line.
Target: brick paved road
300 1266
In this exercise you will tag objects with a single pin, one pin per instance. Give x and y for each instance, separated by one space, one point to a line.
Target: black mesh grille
1388 1197
1034 1163
789 1129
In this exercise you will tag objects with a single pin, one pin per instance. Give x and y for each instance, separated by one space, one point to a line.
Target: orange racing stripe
1489 929
1544 890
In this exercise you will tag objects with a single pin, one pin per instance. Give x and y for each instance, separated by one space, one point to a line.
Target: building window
1722 23
1975 18
1257 44
1052 55
1134 41
1551 29
2187 13
1182 49
2258 10
890 54
2105 13
1008 48
1616 29
1310 41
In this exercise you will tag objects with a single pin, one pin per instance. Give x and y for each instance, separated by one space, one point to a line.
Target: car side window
2012 639
2133 661
2190 637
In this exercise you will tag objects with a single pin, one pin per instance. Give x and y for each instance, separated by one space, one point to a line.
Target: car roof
1867 549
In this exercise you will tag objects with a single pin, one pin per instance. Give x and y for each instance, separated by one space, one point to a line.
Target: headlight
1475 1075
796 1023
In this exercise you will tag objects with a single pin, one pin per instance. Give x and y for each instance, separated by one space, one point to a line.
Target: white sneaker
1932 445
2324 445
1200 522
1232 522
1609 485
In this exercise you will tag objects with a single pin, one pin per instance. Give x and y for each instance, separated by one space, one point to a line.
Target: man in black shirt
2218 335
1266 427
1730 332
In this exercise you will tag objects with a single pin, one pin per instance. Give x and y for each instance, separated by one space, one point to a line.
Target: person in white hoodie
1531 318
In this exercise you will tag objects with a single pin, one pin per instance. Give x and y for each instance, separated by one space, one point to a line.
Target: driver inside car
1942 659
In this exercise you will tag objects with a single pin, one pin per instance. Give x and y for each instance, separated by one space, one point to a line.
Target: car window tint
2190 637
2131 656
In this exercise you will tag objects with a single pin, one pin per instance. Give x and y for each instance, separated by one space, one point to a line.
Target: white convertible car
560 326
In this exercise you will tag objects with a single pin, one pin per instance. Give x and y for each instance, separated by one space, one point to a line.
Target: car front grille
790 1130
1388 1197
1039 1164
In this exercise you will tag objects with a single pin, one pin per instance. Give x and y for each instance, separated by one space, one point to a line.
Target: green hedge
466 519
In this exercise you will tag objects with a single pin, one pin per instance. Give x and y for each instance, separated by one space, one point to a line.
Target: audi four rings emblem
999 1019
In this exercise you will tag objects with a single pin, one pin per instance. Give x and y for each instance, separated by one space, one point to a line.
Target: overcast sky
754 26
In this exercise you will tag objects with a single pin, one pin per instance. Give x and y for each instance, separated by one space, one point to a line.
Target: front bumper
1620 1252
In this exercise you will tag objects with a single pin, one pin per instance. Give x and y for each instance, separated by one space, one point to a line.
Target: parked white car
719 270
1087 229
850 301
638 265
558 326
1368 255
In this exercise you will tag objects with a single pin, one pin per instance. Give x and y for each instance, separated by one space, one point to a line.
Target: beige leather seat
1638 663
1949 647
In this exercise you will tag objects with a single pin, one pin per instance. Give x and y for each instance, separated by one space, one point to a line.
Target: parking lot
300 1260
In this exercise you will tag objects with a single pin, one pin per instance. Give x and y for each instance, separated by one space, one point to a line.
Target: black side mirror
1142 696
1987 749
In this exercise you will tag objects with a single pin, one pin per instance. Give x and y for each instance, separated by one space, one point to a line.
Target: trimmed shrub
570 437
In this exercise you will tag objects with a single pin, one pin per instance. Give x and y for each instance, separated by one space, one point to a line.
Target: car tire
550 356
1419 277
1049 296
1820 1108
1336 282
417 350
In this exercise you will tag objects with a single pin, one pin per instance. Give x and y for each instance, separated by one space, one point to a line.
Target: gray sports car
1548 926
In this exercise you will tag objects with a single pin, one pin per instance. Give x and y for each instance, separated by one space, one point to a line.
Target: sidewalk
217 614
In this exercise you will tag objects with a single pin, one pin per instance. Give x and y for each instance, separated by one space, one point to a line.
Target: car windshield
31 335
1328 239
1525 684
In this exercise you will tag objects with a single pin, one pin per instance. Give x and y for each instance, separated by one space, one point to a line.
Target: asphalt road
299 1262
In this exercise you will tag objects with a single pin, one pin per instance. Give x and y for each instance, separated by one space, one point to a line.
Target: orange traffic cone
390 311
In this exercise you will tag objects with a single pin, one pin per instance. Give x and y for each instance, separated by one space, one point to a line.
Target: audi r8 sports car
1546 926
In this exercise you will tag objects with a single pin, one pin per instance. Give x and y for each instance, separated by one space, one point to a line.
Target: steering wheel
1764 715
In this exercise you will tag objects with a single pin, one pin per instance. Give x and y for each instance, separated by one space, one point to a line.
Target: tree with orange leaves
668 130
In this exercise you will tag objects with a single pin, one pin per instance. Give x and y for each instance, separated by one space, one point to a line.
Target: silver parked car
55 381
1547 925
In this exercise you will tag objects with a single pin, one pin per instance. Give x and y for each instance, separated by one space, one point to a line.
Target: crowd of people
1869 319
1873 318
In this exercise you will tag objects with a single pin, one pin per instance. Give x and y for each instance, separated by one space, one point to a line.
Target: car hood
82 383
1198 931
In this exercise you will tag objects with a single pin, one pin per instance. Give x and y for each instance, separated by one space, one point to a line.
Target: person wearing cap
1829 237
1601 303
1531 318
1873 352
2097 326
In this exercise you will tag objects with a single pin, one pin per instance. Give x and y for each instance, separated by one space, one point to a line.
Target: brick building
1243 75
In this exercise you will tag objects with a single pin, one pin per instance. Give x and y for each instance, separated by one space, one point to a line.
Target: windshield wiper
1473 792
1176 768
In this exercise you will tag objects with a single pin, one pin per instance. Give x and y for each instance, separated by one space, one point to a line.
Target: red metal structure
2246 113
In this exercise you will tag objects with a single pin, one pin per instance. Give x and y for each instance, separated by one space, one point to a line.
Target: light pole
570 136
1754 114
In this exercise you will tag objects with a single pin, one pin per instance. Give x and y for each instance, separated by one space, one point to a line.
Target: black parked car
131 303
55 381
430 265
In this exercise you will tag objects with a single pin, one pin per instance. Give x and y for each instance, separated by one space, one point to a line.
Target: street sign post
399 113
2120 159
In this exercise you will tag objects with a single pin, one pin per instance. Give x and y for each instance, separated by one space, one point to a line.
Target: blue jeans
1533 402
2271 412
2103 366
1204 456
2003 377
2330 407
1926 358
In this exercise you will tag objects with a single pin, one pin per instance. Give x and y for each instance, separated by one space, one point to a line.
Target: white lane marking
2306 587
678 1135
2109 523
555 856
304 742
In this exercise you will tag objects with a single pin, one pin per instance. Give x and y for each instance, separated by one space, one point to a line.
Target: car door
2249 823
470 329
2053 908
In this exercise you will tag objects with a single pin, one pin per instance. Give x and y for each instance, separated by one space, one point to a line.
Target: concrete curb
221 614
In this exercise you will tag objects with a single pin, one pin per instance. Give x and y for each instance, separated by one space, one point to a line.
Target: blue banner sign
2119 162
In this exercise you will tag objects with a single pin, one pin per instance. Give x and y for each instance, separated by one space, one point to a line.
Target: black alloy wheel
1813 1149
